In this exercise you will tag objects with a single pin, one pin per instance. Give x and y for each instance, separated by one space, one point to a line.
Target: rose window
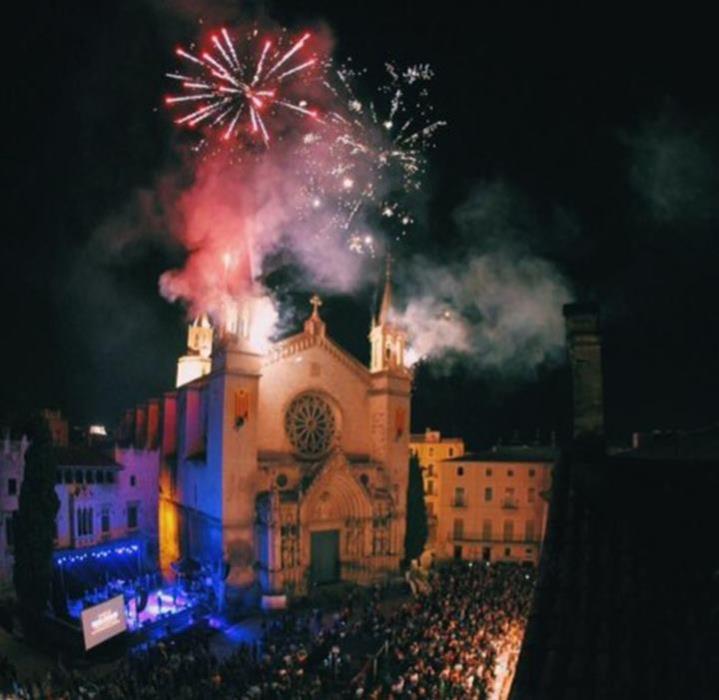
310 425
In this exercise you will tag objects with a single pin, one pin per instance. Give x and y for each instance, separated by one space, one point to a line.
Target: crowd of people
456 638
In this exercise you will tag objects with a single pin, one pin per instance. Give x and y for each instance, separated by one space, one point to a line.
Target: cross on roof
316 303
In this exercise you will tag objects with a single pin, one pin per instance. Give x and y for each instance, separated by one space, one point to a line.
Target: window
84 526
530 495
430 510
488 493
10 529
430 488
508 530
529 531
100 476
488 471
451 452
487 530
109 477
507 551
459 497
531 472
78 476
132 516
430 470
510 472
12 487
105 520
458 529
89 477
460 471
133 480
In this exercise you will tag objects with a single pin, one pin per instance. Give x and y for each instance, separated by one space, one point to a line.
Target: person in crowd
457 637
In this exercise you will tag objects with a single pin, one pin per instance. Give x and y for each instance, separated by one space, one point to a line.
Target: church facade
285 468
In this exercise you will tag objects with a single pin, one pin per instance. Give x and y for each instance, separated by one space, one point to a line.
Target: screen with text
101 622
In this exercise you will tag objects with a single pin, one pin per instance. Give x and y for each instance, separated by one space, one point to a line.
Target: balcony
510 504
478 538
459 503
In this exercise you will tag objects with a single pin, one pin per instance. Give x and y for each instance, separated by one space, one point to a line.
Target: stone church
288 467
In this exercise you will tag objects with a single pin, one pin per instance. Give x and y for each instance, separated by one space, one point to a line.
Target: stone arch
337 501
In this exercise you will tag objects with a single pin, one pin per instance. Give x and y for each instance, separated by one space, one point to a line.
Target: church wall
232 454
313 370
389 415
186 532
198 480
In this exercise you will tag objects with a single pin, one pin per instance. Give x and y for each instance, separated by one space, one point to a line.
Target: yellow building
431 448
493 504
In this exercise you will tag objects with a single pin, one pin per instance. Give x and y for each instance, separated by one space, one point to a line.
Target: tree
35 524
416 533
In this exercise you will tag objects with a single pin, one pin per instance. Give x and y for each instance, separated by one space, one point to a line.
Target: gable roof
295 344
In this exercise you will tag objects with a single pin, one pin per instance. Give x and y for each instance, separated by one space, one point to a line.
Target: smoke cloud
237 215
497 308
674 171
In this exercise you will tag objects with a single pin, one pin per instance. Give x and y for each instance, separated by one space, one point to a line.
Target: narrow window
458 529
132 516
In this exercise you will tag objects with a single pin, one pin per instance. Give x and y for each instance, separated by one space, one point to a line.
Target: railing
470 537
459 503
370 669
510 504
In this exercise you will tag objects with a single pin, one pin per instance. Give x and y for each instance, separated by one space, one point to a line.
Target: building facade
431 448
100 501
493 504
284 468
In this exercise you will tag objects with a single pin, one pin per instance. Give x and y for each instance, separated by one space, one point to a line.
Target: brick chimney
584 343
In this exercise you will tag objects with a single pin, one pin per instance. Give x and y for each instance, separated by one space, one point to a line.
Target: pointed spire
386 305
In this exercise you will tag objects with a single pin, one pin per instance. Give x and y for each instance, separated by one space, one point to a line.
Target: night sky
593 136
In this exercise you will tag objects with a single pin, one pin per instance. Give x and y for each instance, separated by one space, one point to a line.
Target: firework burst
374 154
238 88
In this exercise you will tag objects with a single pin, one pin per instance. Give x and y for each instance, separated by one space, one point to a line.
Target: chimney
584 343
141 427
153 424
169 424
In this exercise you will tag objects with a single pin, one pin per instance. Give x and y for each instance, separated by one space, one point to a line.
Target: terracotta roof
697 445
421 437
81 456
511 453
627 598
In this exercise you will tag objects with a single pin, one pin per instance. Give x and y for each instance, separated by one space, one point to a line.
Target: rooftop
626 597
694 446
430 439
82 456
511 453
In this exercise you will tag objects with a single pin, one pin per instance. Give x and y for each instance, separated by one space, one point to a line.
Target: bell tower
387 339
389 402
197 361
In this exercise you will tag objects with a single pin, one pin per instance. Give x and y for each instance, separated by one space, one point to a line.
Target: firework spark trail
281 62
232 81
378 150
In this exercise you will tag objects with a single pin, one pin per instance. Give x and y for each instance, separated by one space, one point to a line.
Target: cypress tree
416 533
35 524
